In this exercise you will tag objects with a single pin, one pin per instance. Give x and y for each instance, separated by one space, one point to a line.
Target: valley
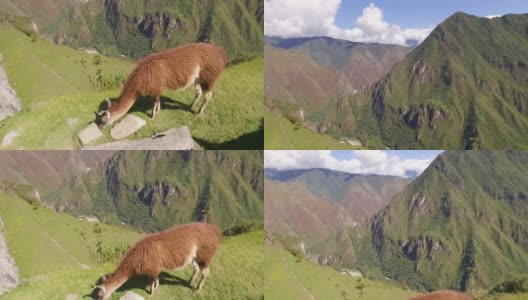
459 225
463 87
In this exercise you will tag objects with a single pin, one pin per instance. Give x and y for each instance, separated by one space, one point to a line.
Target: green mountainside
464 87
137 27
153 190
462 224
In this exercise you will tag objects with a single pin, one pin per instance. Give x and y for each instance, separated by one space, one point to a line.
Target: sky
383 21
392 162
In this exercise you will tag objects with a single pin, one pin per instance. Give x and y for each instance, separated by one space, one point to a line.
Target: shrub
517 285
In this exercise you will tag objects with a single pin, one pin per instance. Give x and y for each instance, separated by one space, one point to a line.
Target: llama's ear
103 277
108 103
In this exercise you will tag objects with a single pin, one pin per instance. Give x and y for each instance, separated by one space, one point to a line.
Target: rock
72 297
90 134
10 104
172 139
127 127
8 139
73 121
8 270
131 296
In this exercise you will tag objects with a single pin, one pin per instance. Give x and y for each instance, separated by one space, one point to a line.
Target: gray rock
172 139
89 134
10 104
8 139
8 270
72 297
127 127
131 296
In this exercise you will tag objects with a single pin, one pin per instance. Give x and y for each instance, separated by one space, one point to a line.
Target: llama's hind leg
196 268
205 272
196 96
207 97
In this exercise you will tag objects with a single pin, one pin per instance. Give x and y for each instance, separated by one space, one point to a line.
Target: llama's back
443 295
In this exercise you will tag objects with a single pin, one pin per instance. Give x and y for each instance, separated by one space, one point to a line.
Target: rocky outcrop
10 104
8 270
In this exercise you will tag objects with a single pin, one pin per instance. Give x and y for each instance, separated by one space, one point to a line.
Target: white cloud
364 162
493 16
295 18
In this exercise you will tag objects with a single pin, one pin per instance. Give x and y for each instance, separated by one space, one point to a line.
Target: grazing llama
171 249
443 295
200 64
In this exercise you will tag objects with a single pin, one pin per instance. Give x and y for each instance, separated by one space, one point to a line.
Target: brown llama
443 295
200 64
171 249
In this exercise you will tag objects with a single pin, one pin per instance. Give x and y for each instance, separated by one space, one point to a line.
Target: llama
200 64
172 249
443 295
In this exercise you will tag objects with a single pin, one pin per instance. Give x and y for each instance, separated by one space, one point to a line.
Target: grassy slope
54 87
282 134
288 279
236 271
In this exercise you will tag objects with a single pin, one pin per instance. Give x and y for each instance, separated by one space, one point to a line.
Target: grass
54 87
290 278
279 133
52 273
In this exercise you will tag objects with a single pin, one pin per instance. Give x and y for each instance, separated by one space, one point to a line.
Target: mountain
315 72
464 87
47 170
137 27
153 190
462 224
319 206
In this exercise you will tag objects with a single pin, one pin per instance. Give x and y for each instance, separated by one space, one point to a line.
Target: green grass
288 278
279 133
54 87
51 272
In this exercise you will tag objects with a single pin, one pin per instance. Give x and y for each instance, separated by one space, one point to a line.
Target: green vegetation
460 225
280 133
464 87
59 266
113 28
288 277
152 191
53 85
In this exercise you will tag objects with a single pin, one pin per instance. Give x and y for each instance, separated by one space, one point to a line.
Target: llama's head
100 292
104 118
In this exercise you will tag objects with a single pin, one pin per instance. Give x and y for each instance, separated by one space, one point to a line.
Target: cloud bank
297 18
363 162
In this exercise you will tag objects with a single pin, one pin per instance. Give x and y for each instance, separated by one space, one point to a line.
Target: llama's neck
117 280
122 106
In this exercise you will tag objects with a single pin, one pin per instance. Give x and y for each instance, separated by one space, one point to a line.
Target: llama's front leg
153 286
156 106
196 268
196 96
205 272
207 97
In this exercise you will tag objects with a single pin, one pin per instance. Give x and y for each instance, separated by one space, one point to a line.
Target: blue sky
396 163
401 22
420 13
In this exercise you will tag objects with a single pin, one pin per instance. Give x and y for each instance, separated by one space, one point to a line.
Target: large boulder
8 270
10 104
172 139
